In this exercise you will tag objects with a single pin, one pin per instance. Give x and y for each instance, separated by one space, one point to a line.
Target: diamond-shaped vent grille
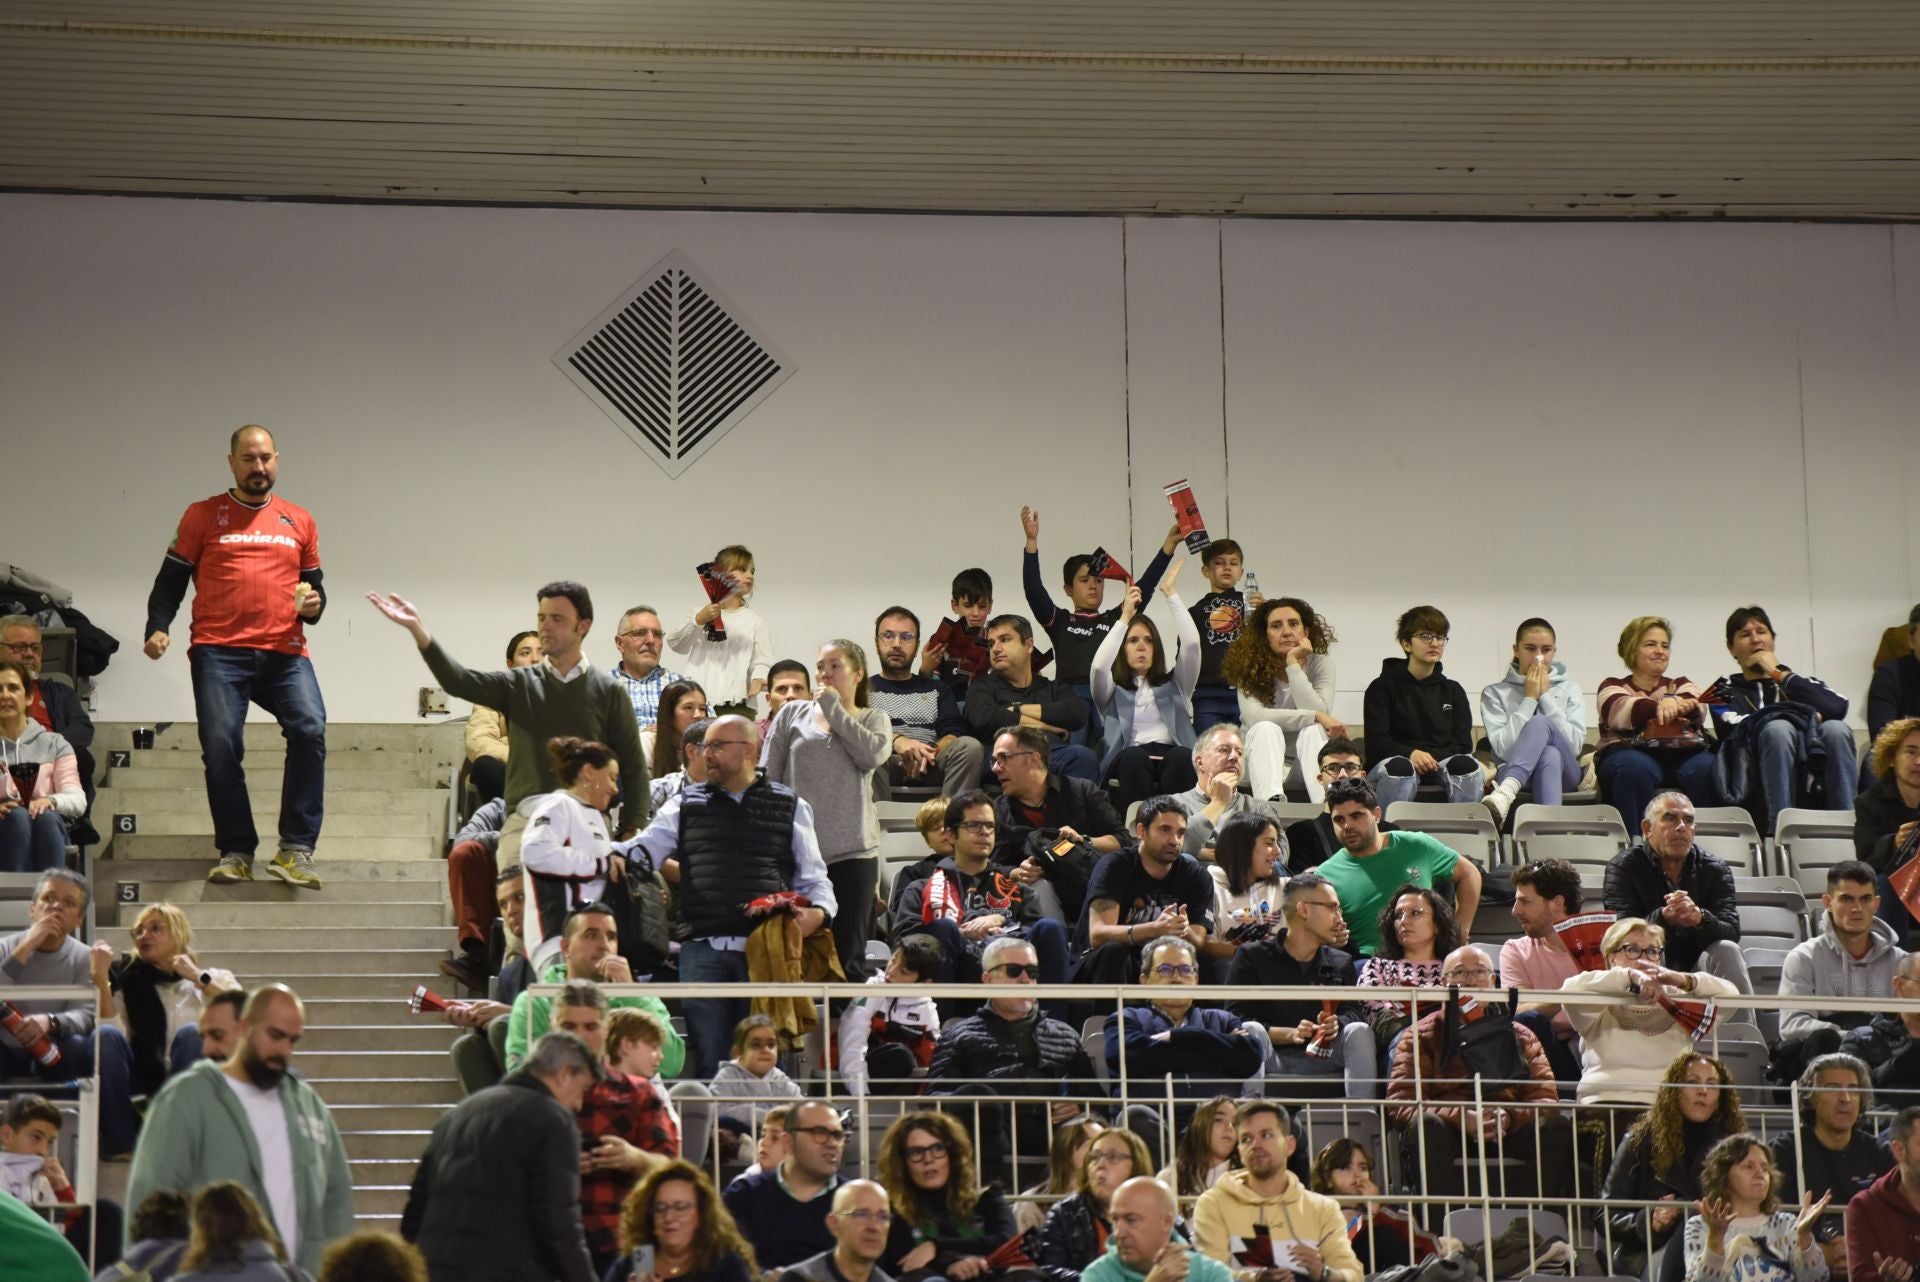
673 364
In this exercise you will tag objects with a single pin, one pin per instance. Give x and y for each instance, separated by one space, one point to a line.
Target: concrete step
382 1090
372 1172
423 1033
192 817
254 965
397 879
375 1118
335 847
262 732
392 1145
377 1224
316 909
219 941
143 796
375 988
196 889
380 1199
404 1065
362 1009
186 769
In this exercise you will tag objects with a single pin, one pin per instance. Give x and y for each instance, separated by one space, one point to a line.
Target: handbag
642 905
1676 738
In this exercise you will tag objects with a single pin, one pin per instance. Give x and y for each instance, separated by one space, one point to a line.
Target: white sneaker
1500 800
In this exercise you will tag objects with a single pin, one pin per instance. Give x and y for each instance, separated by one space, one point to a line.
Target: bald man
859 1222
251 1120
736 836
1142 1246
254 562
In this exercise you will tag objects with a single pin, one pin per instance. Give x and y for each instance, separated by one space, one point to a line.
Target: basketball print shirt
246 561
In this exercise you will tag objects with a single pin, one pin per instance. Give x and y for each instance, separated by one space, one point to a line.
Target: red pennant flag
1906 878
424 999
713 577
1102 566
1582 936
961 646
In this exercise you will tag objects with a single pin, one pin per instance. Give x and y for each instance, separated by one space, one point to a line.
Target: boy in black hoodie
1419 722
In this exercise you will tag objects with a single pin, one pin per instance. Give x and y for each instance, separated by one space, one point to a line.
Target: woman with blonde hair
149 1011
675 1220
1075 1231
1741 1230
232 1240
944 1222
1652 726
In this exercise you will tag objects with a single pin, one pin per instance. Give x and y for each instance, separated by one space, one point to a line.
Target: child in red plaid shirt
626 1123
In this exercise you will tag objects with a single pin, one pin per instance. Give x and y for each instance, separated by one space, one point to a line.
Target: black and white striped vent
673 364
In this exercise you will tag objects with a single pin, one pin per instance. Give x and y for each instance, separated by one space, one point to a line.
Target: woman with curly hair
1208 1149
1281 666
1741 1230
1661 1157
944 1222
674 1218
1417 931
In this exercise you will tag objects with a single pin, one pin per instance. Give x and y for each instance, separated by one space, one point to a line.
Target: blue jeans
76 1060
119 1123
1394 779
1781 758
1090 732
1631 777
710 1020
32 844
225 681
1213 705
1075 762
1543 755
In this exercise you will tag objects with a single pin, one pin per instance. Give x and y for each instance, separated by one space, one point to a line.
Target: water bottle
1249 585
37 1045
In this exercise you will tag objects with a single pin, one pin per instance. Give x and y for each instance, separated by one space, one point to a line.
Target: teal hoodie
1111 1268
532 1017
196 1132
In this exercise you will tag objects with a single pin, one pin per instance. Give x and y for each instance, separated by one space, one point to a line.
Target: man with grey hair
47 954
860 1220
1667 879
1206 1049
1219 755
1142 1247
638 638
1900 1073
55 706
1827 1151
497 1192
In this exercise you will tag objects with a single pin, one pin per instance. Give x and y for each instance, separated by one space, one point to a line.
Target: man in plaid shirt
638 638
626 1126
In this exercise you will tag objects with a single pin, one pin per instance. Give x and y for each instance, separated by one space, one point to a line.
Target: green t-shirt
32 1248
1365 885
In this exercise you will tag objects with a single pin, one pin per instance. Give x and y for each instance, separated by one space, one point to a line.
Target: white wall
1581 421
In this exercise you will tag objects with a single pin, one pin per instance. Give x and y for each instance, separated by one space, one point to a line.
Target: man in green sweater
251 1121
32 1248
562 695
589 950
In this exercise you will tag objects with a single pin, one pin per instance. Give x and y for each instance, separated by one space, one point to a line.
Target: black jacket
1268 962
990 1226
70 719
1895 693
1070 803
1637 888
1877 815
991 705
1402 713
984 1047
1632 1178
496 1197
1068 1240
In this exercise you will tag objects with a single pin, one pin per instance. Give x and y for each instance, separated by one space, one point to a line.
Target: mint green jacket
532 1017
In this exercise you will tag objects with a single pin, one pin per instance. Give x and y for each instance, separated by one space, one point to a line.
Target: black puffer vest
732 852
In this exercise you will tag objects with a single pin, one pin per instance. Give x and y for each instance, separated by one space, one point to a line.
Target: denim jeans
76 1060
32 844
1355 1059
1394 779
1213 705
119 1123
225 680
1543 756
1630 778
710 1020
1781 757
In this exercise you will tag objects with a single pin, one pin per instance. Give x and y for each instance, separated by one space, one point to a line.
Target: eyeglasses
978 825
1018 970
924 1152
675 1208
1170 971
820 1134
1108 1157
868 1216
1467 972
1339 768
1637 953
1317 903
24 647
1002 758
1430 638
638 632
907 638
711 744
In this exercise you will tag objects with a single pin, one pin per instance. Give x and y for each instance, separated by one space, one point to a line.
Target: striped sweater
1625 708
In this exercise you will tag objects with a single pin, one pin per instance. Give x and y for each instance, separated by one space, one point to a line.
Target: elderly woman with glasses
1628 1048
945 1222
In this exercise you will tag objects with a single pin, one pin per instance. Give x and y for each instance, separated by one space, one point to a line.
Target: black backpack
1487 1041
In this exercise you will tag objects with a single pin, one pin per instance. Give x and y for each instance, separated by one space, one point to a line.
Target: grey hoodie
1821 967
1505 708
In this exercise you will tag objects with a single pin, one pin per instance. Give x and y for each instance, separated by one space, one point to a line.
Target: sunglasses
1019 970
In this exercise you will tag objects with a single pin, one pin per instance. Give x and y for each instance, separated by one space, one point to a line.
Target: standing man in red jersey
254 561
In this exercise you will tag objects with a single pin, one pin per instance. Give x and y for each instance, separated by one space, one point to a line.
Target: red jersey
246 561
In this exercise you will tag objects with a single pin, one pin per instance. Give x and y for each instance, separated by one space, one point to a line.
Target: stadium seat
1319 1125
1728 831
1468 827
896 816
1808 842
1761 923
1763 967
1493 925
1581 835
1473 1227
1743 1049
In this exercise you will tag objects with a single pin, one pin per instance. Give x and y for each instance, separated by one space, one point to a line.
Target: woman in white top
1249 876
826 749
1281 666
567 854
1741 1229
733 666
1147 711
149 1008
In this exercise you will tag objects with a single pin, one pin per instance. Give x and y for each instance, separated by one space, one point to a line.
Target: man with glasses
1545 893
930 736
783 1212
638 639
1011 1048
1208 1050
55 706
1150 891
1037 798
1311 842
736 837
1670 881
1419 722
967 902
860 1223
1012 695
1307 1040
1528 1142
1219 757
